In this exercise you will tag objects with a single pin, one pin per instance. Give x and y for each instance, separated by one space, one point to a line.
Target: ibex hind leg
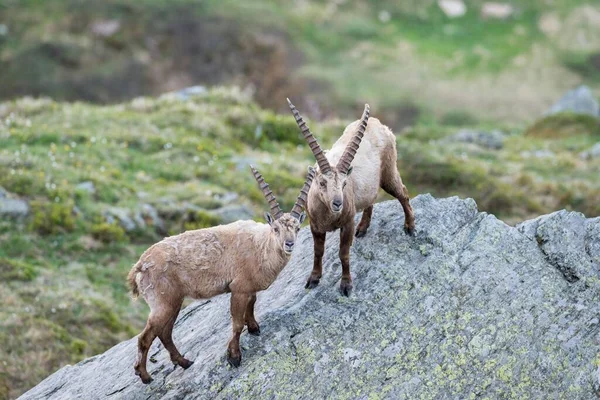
253 327
392 184
166 336
365 221
144 342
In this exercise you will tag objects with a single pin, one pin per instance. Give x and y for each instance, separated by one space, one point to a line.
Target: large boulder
468 308
580 100
592 153
492 140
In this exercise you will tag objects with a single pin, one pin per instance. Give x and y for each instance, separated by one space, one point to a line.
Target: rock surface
12 208
580 100
491 140
497 10
468 308
592 153
453 8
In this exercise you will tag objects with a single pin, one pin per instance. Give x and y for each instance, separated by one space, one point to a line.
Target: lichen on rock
468 308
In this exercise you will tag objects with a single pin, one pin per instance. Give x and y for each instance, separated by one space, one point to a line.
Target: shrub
11 269
564 125
78 346
51 218
458 118
108 233
199 220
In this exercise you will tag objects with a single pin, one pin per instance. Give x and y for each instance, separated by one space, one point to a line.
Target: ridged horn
269 196
345 161
301 200
324 165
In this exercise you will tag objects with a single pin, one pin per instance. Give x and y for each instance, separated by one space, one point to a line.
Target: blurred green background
103 151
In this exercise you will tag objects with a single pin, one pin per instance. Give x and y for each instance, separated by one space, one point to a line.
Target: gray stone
496 10
123 217
469 307
187 93
562 238
491 140
11 207
151 217
538 154
87 186
592 153
452 8
231 213
580 100
136 219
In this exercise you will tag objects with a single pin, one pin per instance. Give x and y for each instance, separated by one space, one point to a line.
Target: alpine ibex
340 191
243 258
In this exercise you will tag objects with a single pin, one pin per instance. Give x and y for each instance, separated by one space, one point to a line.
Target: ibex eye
344 184
323 183
276 230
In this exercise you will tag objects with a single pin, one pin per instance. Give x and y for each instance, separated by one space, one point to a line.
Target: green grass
185 159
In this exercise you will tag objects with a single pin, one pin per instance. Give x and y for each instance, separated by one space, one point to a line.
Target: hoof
360 234
183 363
145 377
346 288
410 231
234 361
312 283
254 329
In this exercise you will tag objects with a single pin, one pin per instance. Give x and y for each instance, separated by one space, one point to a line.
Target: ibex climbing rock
348 179
243 258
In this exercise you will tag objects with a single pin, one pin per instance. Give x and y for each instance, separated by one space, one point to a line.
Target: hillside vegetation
408 58
104 182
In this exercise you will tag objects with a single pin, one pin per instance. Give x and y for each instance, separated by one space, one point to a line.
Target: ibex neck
274 258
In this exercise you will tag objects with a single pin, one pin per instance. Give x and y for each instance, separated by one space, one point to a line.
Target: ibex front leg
239 303
346 236
253 327
319 246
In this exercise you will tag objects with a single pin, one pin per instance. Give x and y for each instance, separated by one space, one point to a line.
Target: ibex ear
302 218
349 171
269 218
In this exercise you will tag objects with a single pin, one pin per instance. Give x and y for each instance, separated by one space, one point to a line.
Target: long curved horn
264 186
343 164
301 200
324 165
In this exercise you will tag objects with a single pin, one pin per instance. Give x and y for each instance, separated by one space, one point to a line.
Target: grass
336 53
565 125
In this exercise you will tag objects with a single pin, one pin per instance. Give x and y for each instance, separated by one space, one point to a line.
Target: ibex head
332 180
285 226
